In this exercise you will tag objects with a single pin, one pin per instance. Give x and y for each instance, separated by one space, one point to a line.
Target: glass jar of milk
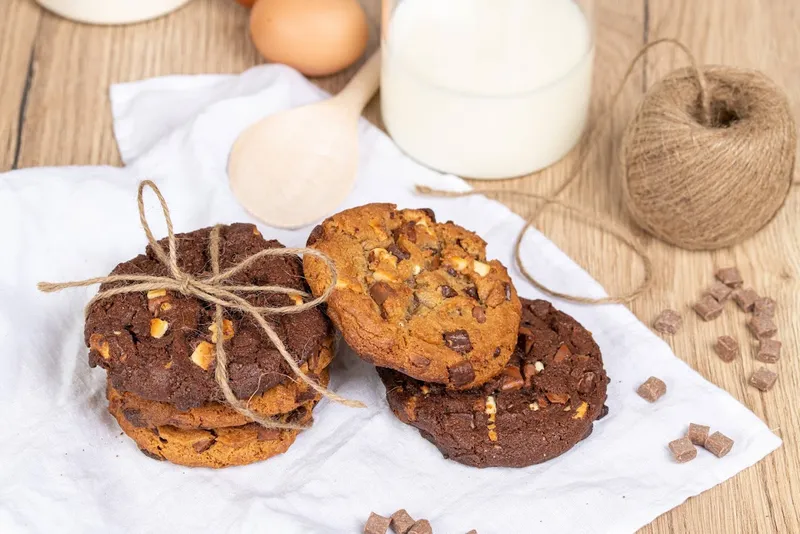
486 88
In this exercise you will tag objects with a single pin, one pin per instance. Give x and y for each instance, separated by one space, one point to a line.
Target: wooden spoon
297 166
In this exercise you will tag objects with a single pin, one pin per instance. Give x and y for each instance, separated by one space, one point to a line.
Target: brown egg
317 37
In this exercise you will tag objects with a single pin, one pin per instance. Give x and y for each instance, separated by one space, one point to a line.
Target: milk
486 88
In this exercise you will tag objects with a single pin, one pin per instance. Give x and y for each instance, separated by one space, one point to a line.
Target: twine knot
214 290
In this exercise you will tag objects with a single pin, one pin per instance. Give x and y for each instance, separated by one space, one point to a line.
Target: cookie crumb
652 389
730 277
718 444
762 326
745 298
708 308
376 524
667 322
763 379
421 527
769 351
727 348
402 522
683 450
698 434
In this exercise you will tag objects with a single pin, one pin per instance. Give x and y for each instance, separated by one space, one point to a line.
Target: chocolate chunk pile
684 449
401 523
729 285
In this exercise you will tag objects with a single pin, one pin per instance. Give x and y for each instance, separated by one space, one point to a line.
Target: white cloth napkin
65 467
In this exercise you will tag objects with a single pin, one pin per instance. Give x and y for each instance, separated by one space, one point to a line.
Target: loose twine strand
213 290
704 105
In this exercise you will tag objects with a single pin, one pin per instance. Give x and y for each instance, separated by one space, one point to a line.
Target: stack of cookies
159 350
490 379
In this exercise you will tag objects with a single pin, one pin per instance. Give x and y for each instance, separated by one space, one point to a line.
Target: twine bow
212 289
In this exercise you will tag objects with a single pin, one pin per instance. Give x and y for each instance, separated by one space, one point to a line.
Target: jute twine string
700 99
213 290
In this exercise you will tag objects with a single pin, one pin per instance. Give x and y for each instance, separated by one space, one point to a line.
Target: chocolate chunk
727 348
421 527
380 291
449 270
203 445
479 314
420 361
683 450
402 522
472 292
765 307
667 322
376 524
458 340
557 398
461 374
763 379
397 252
497 352
730 276
448 292
267 434
134 417
698 434
151 455
718 444
769 351
708 308
762 327
587 382
719 291
305 396
652 389
745 298
429 212
408 230
603 412
315 235
562 354
511 379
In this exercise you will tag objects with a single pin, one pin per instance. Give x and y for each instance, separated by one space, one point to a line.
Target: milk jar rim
386 50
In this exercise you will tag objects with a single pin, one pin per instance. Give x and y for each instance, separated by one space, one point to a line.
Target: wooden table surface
54 110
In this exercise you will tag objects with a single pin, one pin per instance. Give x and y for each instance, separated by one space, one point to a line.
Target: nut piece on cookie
203 355
227 330
376 524
158 328
97 342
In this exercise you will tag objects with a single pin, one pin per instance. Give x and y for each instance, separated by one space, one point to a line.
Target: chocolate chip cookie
222 447
281 399
160 345
416 295
544 402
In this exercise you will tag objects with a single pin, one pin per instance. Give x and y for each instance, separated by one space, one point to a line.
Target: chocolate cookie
281 399
160 345
222 447
545 401
416 295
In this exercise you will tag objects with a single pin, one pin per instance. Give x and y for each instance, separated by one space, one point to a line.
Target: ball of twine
708 158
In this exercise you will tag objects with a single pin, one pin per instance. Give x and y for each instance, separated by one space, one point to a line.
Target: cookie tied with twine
708 158
213 289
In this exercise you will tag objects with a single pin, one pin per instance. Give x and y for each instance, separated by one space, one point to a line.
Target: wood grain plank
19 26
755 34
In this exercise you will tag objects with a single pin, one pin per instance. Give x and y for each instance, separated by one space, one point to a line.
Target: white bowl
111 11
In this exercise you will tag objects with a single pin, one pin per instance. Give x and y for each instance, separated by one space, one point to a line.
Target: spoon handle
362 86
